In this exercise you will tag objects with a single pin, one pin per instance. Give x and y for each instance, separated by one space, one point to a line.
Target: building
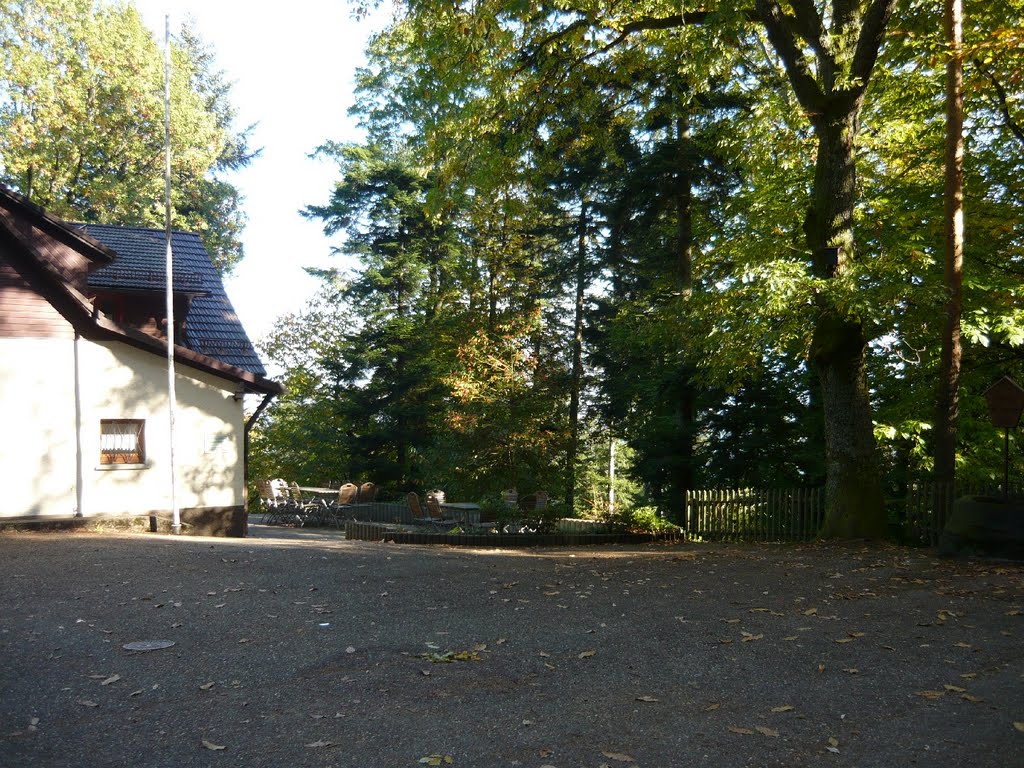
83 376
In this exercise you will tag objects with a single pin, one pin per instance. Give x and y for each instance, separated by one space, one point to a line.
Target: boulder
984 525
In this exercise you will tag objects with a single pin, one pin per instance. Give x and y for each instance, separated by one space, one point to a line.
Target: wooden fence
930 504
748 514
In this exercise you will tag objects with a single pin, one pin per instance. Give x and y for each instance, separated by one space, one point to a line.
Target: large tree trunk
948 400
829 60
576 383
686 402
854 504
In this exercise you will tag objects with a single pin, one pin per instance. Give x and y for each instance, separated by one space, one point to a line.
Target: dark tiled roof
211 327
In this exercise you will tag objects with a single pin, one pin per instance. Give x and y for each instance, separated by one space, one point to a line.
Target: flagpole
171 394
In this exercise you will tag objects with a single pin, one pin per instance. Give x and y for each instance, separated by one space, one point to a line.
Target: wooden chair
339 509
434 507
413 500
308 511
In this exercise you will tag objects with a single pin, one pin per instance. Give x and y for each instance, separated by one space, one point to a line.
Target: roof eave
88 246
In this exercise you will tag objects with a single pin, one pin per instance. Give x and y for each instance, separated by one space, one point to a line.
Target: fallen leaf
972 699
712 707
786 708
852 671
833 750
646 698
207 686
587 654
87 703
932 695
855 634
350 649
791 638
437 760
619 756
111 679
845 640
321 743
743 731
821 668
731 621
954 688
833 741
212 746
810 611
747 637
148 645
1019 727
765 731
963 645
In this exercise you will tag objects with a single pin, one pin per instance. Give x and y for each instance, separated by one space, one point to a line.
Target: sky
293 71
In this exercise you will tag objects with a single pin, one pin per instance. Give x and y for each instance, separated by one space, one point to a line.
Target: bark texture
829 63
947 412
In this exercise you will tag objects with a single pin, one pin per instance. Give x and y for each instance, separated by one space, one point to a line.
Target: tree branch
809 25
1004 105
781 33
872 31
643 24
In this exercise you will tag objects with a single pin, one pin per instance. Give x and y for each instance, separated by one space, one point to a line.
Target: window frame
111 458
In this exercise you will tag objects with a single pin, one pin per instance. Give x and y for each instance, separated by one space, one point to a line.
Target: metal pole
611 478
171 394
1006 463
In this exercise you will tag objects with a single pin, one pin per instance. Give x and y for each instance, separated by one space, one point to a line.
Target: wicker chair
367 493
347 495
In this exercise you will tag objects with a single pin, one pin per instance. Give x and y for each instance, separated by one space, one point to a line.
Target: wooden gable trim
39 273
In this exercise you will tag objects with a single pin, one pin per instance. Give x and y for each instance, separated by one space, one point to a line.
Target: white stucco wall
37 427
116 381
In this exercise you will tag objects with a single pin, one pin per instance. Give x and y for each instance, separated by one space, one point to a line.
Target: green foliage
82 121
519 151
640 519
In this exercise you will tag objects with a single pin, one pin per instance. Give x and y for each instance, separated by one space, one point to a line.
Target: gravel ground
298 648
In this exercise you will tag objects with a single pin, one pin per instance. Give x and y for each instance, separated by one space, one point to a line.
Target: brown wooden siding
73 266
24 312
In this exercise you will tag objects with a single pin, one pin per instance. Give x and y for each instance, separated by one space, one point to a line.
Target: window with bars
122 441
